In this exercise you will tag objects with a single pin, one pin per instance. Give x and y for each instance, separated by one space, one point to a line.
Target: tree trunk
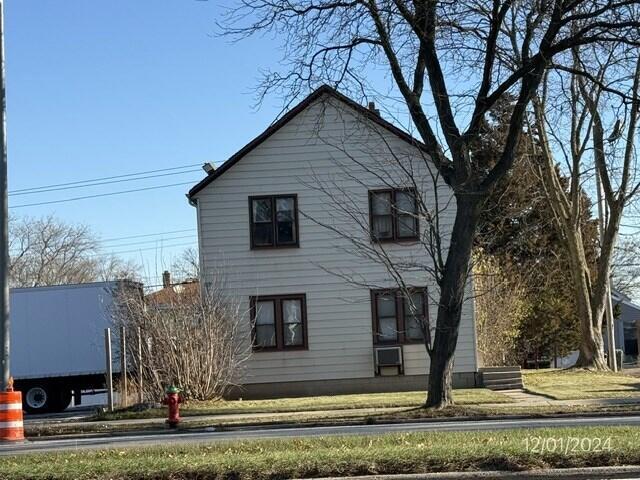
591 350
452 290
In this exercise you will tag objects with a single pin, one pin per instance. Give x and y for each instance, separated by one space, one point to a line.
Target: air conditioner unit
388 360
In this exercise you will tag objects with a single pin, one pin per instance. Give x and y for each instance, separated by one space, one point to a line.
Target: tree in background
187 266
501 309
586 116
450 62
522 277
47 251
625 266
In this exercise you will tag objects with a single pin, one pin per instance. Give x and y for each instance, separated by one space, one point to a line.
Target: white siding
327 147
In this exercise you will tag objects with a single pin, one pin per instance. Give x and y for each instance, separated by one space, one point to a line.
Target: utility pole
4 225
608 307
109 367
123 366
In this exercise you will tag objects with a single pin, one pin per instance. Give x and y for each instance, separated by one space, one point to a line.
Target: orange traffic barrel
11 427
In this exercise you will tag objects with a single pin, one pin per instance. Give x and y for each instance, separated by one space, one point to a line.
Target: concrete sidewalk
524 398
222 417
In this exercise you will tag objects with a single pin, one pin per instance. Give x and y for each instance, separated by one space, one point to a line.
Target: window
274 221
398 318
279 322
394 214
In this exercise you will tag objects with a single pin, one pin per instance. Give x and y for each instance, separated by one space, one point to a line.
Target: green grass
342 417
328 456
581 384
471 396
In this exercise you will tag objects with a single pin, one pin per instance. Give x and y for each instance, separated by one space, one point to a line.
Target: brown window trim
402 338
394 214
274 222
279 324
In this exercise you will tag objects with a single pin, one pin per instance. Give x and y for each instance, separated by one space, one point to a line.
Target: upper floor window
279 322
274 221
393 214
399 318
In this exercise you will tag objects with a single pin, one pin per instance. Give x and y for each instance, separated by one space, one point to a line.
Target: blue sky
103 88
109 87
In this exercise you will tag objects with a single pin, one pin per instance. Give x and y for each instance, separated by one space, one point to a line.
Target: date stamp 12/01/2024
567 445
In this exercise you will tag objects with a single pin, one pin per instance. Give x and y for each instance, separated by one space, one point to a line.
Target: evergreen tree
517 232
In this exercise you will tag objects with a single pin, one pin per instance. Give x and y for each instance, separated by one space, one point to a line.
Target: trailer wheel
37 399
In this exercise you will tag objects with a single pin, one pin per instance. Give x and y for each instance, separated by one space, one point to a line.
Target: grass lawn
581 384
471 396
328 456
350 417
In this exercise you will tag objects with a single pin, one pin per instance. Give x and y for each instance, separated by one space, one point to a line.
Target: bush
192 341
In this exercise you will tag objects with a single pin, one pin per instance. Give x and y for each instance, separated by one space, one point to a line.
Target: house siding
327 145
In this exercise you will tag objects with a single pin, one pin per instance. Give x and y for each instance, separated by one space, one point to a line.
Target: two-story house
314 226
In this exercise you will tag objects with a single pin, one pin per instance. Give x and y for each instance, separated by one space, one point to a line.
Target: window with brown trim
279 322
399 318
273 221
393 214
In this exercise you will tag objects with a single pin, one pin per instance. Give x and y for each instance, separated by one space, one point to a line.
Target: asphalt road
210 435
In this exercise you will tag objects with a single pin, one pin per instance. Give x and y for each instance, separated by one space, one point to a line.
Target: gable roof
620 297
179 292
316 94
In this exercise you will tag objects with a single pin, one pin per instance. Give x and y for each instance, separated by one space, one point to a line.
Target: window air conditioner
388 359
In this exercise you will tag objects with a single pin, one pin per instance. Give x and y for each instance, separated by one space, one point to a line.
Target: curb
552 473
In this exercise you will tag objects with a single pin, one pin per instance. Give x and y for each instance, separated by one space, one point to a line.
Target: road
210 435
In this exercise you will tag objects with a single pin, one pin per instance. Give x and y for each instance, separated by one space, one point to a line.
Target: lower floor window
399 317
279 322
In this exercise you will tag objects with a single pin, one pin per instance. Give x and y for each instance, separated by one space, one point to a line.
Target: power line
147 249
104 178
85 197
148 235
158 240
157 247
56 189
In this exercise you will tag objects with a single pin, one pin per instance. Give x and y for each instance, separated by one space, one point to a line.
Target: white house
626 324
300 224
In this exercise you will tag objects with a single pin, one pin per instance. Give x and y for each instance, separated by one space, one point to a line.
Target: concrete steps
502 378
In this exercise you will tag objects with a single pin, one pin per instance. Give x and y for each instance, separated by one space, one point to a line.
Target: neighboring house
626 324
172 293
276 223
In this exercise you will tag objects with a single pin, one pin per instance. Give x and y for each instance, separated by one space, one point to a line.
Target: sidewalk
524 398
223 417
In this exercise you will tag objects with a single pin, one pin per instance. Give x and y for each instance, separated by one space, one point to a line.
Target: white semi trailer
57 342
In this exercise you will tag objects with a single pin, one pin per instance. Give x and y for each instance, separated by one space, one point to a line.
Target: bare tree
368 162
111 267
626 266
193 342
47 251
599 95
452 59
187 265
